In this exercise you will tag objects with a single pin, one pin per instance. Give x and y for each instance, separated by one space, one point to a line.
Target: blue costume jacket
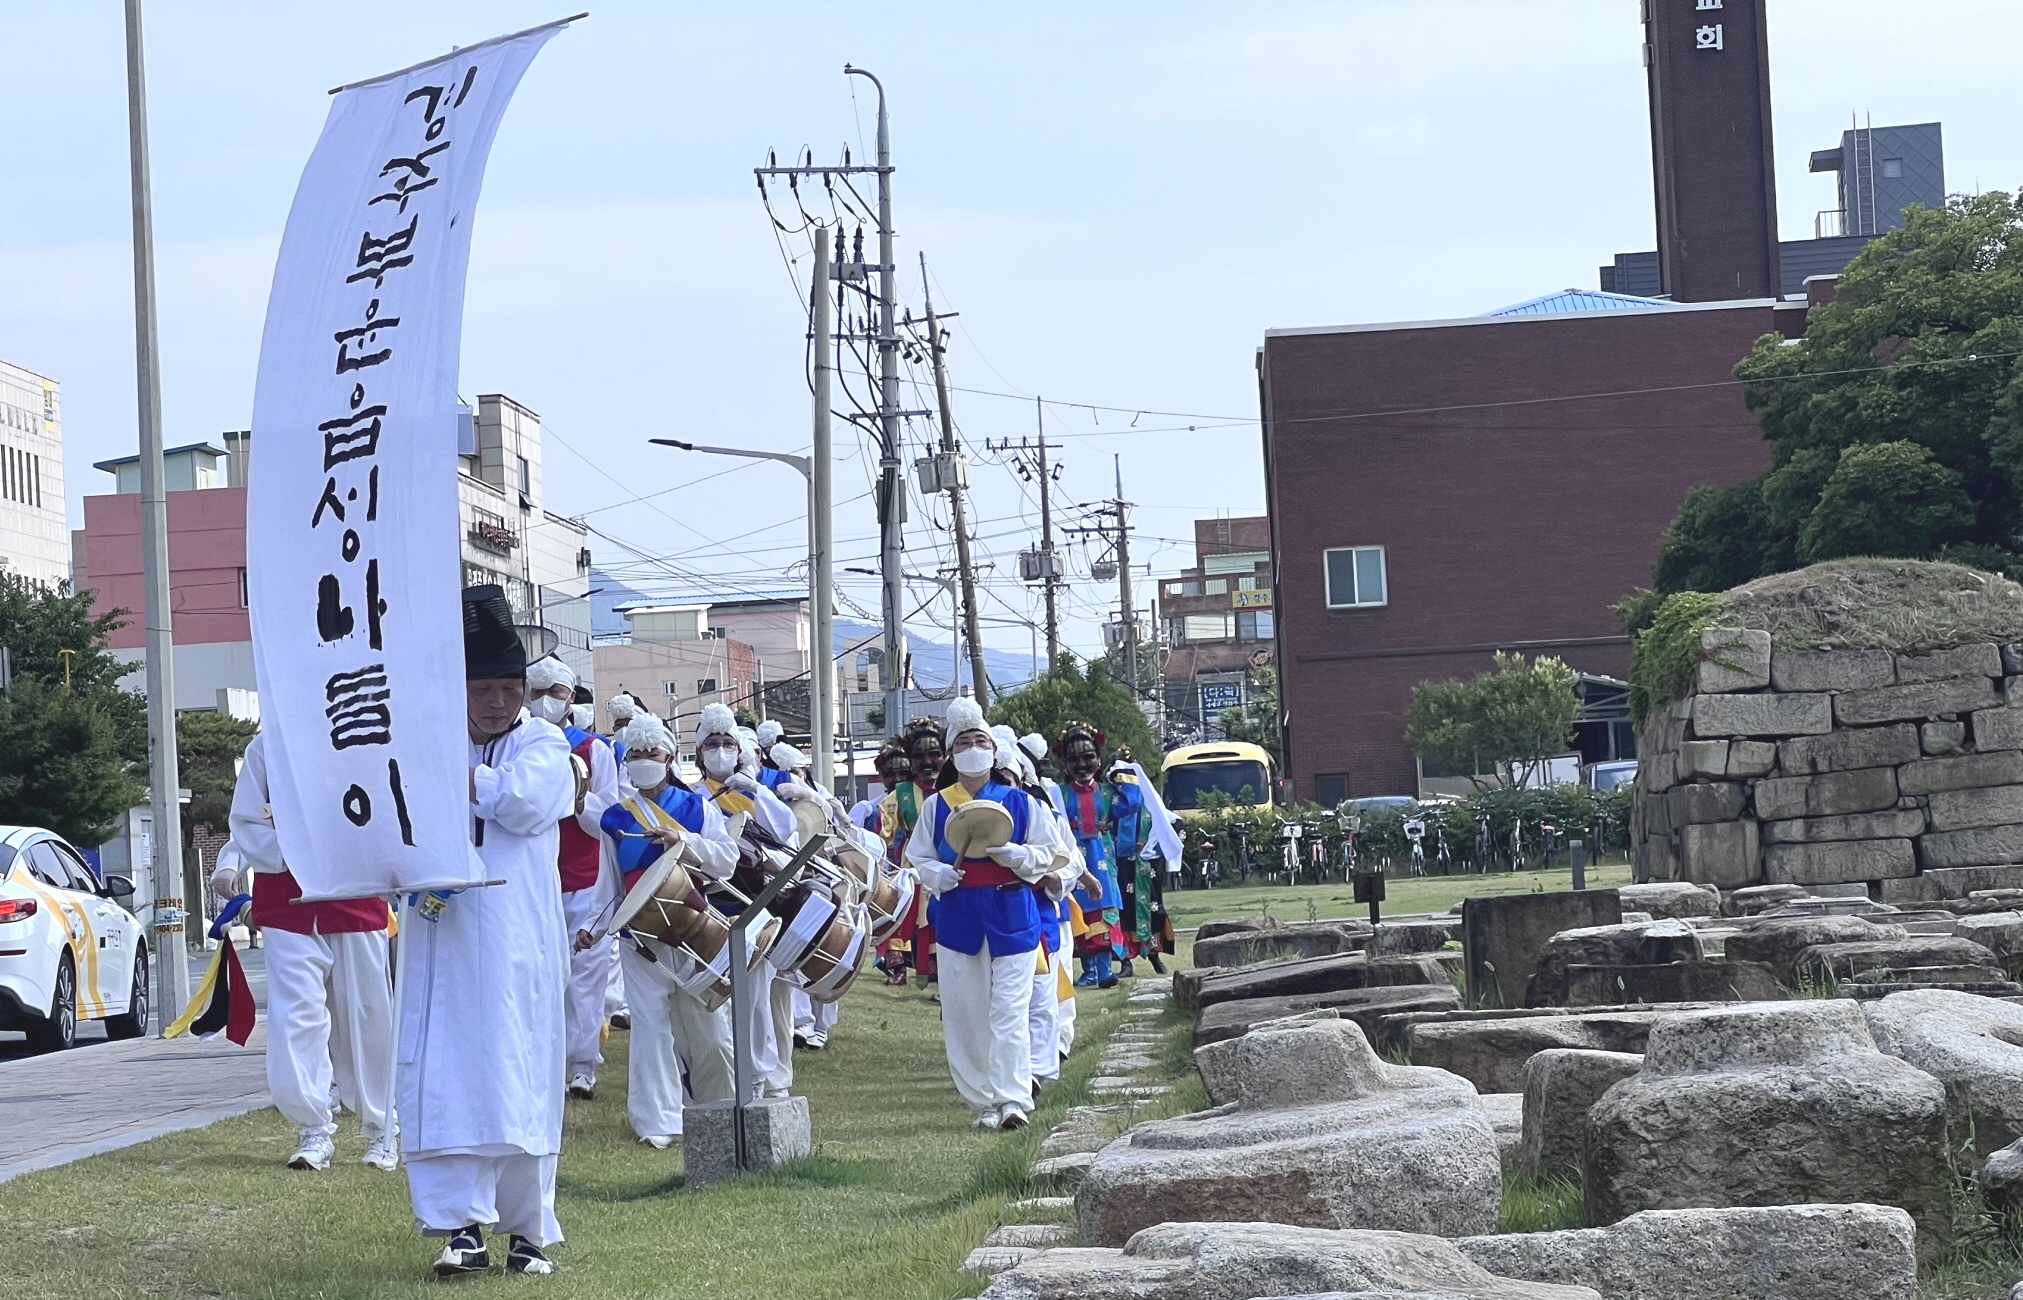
1002 915
634 852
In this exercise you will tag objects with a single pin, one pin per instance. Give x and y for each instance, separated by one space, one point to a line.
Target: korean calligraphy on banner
353 566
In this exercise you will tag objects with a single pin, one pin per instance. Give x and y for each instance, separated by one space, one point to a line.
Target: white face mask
975 762
549 709
719 763
645 773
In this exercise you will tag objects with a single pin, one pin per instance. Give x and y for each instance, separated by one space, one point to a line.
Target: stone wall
1902 772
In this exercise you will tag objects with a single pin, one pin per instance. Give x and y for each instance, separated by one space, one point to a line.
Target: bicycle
1289 835
1239 835
1441 856
1517 845
1415 831
1317 847
1548 843
1485 844
1352 825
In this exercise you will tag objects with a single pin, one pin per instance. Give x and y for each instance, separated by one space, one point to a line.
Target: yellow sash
648 813
731 801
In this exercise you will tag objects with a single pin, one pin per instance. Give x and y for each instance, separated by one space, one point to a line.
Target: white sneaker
987 1119
817 1041
659 1142
383 1153
1011 1118
315 1151
583 1087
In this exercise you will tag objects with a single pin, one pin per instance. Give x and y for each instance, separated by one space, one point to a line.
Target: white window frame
671 689
1383 567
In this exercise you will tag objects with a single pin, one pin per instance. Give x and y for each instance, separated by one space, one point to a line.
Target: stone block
1365 1006
1895 823
1670 900
1752 900
1843 751
1761 715
1961 661
1769 1104
1964 772
1968 1043
1503 938
2012 658
1560 1084
1236 1261
1649 943
1915 702
1236 925
1844 961
1680 981
1216 1063
1831 670
1314 975
1777 942
1657 812
1945 737
1838 862
776 1131
1995 805
1722 854
1936 884
1704 759
1705 801
1784 1252
1660 857
1999 932
1733 659
1249 947
1983 846
1750 758
1491 1051
1660 771
1505 1113
1828 794
1325 1134
1996 729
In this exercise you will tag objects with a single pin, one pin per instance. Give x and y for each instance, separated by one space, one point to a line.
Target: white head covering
582 716
769 734
646 732
1035 746
548 671
1163 836
965 714
621 708
717 720
786 757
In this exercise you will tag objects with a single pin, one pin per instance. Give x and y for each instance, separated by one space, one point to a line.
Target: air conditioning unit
1038 566
944 471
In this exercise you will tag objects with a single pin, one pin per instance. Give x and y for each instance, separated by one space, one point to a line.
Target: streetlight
821 705
947 584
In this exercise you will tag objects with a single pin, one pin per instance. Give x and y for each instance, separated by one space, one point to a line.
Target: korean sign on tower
1709 67
352 558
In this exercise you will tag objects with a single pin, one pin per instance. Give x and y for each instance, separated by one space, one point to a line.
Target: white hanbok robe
482 1054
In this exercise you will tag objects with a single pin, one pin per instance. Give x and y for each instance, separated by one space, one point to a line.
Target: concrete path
101 1096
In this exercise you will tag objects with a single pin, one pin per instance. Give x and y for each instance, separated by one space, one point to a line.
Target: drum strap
648 813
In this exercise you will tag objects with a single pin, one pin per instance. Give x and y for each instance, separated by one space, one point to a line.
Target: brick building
1441 490
1216 620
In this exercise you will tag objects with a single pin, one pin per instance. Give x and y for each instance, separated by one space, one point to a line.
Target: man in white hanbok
483 974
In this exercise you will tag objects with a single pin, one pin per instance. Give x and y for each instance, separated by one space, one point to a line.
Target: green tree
1896 422
208 746
73 745
1068 693
1507 720
1257 721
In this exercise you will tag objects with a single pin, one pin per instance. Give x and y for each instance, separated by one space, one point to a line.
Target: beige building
34 534
674 661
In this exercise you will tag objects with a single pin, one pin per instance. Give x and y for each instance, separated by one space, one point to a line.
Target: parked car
1379 802
1607 776
69 949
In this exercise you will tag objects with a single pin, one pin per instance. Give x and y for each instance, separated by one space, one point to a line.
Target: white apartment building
541 559
34 537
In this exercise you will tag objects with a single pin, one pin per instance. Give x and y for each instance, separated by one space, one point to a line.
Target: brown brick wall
1514 524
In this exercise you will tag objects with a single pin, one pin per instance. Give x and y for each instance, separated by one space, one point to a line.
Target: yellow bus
1237 769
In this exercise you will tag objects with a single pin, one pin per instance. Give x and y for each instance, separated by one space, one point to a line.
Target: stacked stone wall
1903 772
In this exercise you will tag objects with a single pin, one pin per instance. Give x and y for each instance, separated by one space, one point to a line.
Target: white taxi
68 949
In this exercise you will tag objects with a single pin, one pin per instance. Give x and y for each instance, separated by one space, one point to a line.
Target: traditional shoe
1108 983
583 1087
526 1257
1126 971
315 1151
464 1253
1011 1118
383 1154
1089 981
620 1020
659 1142
988 1119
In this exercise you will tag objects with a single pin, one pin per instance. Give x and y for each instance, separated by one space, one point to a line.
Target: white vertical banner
354 566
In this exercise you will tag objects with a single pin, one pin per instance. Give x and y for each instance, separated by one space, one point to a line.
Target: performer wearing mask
551 690
329 1010
894 770
1043 1021
483 979
898 813
1068 912
1098 820
675 1035
987 927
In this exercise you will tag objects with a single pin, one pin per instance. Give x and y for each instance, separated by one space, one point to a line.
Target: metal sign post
741 993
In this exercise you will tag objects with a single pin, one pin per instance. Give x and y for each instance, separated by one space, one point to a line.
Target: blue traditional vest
992 907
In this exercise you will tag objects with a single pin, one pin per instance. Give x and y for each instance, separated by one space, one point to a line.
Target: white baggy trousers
671 1034
1064 1007
512 1192
330 1022
986 1007
589 982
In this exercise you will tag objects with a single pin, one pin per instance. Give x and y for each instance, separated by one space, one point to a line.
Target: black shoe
464 1253
526 1257
1158 967
621 1020
1126 971
1108 983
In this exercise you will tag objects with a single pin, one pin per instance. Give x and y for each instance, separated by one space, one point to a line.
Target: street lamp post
821 705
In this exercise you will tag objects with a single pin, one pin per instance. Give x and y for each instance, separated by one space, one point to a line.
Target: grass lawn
1403 894
900 1188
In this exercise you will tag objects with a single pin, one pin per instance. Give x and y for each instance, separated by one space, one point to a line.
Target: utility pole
822 680
971 626
1047 567
1124 579
171 956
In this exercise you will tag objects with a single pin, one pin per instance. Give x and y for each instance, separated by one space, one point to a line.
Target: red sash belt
986 873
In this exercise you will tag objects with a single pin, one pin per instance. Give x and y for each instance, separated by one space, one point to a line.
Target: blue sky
1119 198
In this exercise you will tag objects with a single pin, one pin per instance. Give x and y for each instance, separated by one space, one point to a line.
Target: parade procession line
899 1191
